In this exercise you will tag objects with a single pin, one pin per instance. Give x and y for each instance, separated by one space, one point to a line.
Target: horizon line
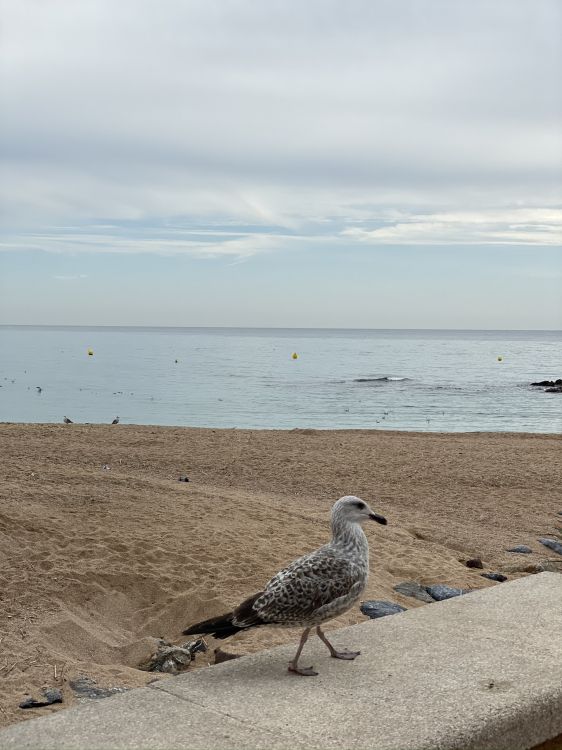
261 328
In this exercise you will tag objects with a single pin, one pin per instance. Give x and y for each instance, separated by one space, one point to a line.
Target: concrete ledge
479 672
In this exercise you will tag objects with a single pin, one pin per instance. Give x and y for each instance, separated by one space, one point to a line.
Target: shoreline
285 430
98 562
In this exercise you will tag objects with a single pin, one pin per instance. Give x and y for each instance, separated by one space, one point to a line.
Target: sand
96 563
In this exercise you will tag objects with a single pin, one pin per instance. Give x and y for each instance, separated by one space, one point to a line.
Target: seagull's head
355 510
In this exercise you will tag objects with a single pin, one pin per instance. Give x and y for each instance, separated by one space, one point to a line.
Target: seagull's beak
378 518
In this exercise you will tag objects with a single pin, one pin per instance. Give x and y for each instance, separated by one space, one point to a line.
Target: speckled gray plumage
316 587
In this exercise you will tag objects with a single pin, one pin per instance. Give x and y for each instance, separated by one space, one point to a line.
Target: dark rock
221 656
411 588
554 389
521 548
475 562
552 544
377 608
494 577
85 687
50 696
183 479
551 383
439 592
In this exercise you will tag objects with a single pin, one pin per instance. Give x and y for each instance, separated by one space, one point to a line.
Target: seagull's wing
308 584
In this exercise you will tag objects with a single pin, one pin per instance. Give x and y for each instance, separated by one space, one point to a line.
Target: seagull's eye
361 506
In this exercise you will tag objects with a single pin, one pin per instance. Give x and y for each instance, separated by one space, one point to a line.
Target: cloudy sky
346 163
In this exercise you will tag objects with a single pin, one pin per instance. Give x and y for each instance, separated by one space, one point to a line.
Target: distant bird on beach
115 421
313 589
66 420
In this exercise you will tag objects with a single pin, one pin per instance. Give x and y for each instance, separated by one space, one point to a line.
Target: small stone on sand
378 608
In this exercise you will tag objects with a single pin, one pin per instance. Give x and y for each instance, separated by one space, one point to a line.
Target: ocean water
448 381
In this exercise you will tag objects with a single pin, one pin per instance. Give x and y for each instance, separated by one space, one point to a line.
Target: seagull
66 420
311 590
115 421
39 389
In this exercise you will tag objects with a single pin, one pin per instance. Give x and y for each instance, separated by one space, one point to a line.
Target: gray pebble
377 608
521 548
552 544
494 576
440 591
411 588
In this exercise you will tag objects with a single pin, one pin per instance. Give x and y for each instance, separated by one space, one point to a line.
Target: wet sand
96 563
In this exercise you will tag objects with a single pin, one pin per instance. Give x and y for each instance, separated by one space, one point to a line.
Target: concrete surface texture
478 672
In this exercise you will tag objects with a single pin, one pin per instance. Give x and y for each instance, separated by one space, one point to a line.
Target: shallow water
383 379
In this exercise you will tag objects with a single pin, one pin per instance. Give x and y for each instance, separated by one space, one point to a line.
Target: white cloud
288 115
523 226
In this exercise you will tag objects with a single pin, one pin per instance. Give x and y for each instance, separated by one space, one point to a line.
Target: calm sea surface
237 377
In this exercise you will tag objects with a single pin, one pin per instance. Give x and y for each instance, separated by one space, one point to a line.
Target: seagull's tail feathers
242 618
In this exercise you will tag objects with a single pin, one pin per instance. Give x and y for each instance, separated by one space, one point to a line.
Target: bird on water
311 590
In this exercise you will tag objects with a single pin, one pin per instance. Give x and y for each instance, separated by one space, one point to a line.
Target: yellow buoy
500 359
294 355
90 352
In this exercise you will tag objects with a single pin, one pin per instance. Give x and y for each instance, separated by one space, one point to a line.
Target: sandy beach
98 562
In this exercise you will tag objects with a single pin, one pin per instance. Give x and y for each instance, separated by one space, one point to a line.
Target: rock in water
50 696
440 591
378 608
552 544
475 562
494 576
411 588
521 548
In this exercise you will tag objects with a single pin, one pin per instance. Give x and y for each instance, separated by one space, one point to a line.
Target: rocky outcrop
550 386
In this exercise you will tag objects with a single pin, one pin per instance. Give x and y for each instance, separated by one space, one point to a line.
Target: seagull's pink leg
349 655
293 666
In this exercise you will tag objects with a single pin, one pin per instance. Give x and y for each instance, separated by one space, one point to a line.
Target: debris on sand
50 696
85 687
173 659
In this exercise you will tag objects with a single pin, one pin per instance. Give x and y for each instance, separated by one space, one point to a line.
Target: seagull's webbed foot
304 671
345 654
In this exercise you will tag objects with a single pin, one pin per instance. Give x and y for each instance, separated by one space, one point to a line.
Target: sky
337 163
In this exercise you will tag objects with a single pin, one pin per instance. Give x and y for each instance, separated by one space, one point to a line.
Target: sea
281 378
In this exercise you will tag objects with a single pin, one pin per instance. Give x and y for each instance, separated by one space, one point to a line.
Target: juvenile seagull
311 590
66 420
115 421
